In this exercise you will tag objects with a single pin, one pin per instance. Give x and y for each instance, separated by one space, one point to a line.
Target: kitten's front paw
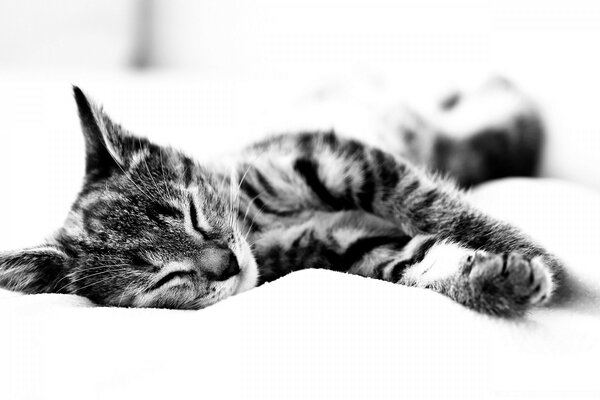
508 283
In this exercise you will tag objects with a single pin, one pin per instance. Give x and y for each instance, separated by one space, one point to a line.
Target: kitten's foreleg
478 261
505 284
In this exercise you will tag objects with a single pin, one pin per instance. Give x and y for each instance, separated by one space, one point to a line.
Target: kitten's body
152 228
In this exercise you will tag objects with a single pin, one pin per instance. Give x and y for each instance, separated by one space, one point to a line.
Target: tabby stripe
421 251
296 243
249 221
188 166
367 191
332 260
353 150
411 187
167 210
357 250
194 219
331 140
305 142
264 182
397 269
348 192
428 198
254 196
308 170
379 269
388 172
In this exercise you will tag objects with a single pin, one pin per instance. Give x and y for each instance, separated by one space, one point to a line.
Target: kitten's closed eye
141 262
167 210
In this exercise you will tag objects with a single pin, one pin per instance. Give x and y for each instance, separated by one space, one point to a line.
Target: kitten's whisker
134 184
246 236
142 286
108 278
122 267
250 165
107 267
260 212
224 181
104 267
124 293
86 276
251 204
231 194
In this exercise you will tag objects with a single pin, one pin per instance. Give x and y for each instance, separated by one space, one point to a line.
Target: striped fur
154 228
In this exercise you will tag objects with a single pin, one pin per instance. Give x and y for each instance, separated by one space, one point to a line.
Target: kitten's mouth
181 288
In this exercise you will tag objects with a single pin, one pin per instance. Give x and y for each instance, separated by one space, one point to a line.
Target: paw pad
511 275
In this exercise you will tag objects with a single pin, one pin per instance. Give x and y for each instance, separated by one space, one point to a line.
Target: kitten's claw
542 282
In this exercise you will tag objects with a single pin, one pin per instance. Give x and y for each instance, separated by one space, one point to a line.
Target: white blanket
320 334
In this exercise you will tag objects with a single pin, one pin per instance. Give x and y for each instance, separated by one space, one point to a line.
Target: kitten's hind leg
492 132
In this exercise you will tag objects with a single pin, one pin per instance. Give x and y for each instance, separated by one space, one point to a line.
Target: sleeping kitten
151 227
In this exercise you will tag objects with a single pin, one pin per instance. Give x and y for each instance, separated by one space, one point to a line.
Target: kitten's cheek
248 278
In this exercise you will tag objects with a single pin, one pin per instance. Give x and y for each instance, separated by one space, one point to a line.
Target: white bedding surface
320 334
313 334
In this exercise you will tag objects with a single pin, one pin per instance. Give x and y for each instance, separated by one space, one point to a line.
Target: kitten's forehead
132 204
167 172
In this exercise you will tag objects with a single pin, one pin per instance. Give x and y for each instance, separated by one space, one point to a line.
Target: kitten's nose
232 268
220 264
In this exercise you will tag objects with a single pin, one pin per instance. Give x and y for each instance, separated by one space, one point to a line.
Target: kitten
151 227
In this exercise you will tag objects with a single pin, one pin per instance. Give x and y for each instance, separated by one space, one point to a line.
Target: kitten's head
150 228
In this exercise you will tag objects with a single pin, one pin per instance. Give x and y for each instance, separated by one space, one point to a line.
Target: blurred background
212 75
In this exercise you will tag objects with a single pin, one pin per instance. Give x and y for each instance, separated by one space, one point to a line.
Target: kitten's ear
34 270
108 146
